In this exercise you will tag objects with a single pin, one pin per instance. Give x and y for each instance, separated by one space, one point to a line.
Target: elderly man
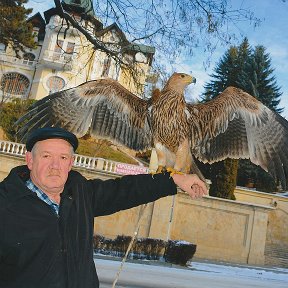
47 213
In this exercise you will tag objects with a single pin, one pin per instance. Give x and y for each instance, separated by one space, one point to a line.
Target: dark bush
98 242
120 244
143 248
103 245
151 248
179 252
10 112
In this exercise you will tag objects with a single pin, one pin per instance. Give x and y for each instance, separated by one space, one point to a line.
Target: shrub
179 252
10 112
98 242
143 248
151 248
120 244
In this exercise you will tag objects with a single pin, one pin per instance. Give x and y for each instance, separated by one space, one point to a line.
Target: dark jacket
40 249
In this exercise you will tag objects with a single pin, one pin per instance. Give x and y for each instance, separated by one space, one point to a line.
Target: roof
130 46
79 6
38 21
111 27
140 48
73 9
85 9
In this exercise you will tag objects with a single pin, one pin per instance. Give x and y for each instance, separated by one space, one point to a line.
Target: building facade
64 58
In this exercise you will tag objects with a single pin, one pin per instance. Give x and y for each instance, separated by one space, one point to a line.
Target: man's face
50 162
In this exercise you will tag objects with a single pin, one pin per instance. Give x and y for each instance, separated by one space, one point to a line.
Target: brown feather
234 124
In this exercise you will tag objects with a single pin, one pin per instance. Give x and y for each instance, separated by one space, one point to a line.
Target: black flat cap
50 133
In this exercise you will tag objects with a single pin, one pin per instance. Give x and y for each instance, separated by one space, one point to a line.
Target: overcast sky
272 34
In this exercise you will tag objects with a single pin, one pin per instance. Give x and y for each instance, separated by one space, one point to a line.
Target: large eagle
233 125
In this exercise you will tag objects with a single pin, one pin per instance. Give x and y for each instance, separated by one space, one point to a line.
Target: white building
64 58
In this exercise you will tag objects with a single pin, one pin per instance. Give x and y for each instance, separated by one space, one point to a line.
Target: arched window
15 84
28 58
55 84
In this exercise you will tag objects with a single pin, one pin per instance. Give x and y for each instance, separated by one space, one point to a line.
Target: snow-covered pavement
198 275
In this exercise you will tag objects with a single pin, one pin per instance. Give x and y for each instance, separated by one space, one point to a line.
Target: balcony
16 61
56 60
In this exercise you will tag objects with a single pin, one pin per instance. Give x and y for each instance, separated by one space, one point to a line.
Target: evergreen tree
253 176
228 70
250 70
14 29
223 75
223 174
257 79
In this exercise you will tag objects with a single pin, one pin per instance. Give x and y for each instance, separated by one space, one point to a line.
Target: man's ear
29 159
72 162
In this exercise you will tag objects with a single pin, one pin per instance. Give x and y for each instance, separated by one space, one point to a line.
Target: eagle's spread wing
104 108
236 125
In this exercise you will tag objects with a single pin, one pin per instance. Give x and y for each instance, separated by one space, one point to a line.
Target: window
2 47
55 84
69 51
58 50
70 48
28 58
106 67
15 84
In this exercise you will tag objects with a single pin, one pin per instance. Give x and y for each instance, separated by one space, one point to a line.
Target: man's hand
191 184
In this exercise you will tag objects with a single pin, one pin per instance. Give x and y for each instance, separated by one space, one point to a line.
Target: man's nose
55 163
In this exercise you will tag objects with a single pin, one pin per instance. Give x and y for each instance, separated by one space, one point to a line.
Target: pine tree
14 28
257 79
250 70
223 174
227 71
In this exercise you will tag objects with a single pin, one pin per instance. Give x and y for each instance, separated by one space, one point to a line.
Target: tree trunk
224 178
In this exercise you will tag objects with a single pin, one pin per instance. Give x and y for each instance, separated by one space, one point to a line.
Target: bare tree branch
173 27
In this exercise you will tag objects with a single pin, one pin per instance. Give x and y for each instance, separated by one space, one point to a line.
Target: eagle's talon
172 171
160 169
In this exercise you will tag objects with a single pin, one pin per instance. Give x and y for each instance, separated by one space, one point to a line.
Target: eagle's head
179 81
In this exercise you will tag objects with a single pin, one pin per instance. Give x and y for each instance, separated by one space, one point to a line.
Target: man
47 213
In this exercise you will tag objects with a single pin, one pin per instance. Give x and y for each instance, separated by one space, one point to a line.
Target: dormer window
76 2
28 58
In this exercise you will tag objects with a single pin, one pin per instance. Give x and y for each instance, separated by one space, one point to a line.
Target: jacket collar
15 183
16 188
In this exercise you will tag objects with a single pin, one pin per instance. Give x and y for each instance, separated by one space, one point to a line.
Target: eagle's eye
182 75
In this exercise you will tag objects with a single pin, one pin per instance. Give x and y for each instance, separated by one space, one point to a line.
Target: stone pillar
258 237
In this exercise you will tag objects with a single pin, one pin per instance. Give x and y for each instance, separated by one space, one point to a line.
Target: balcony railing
17 61
81 161
58 60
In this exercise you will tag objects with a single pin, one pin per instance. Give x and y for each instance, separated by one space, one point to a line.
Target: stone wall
276 248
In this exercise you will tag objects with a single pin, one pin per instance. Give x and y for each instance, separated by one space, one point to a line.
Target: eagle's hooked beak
191 79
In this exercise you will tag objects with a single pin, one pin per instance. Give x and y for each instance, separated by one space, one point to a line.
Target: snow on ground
265 273
149 274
